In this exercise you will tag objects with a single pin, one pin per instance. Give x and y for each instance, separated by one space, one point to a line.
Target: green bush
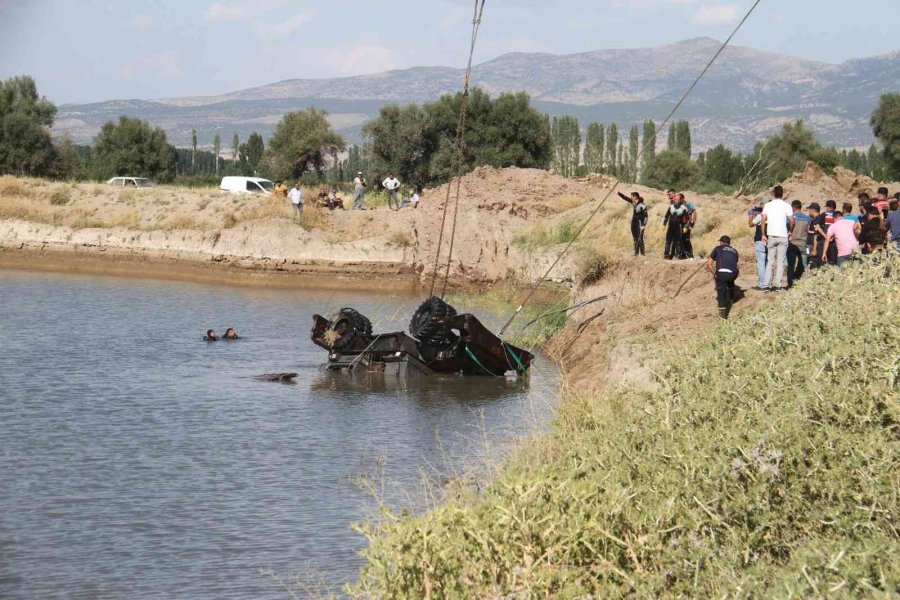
542 236
766 465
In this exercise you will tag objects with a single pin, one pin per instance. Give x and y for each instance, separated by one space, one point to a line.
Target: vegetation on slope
767 464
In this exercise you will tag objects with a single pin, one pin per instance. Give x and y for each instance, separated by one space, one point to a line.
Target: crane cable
619 179
458 155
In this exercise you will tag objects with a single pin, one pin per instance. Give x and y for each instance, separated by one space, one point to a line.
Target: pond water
137 461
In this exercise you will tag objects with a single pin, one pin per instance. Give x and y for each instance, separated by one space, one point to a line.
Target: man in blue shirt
723 264
893 222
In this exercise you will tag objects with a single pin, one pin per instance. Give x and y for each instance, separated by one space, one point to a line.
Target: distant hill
745 97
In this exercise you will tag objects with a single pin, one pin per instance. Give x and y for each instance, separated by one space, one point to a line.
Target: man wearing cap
723 264
359 188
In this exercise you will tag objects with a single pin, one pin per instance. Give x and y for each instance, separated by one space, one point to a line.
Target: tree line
418 144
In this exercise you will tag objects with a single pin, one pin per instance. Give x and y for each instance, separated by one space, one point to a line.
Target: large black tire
345 327
427 324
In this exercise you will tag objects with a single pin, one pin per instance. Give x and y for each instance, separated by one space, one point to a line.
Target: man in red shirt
881 202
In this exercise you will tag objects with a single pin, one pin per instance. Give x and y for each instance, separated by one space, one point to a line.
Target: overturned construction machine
439 341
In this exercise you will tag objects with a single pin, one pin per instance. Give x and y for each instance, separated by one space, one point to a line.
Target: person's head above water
229 333
211 335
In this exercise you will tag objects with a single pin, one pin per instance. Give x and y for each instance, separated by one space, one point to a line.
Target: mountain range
746 96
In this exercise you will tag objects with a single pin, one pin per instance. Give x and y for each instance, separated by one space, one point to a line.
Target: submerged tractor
439 341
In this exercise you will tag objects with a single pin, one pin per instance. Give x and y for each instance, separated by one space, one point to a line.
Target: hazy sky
94 50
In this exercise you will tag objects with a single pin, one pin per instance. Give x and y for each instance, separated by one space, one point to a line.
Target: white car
246 185
141 182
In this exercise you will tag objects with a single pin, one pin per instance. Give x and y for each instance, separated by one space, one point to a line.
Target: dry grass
12 186
569 202
400 239
722 483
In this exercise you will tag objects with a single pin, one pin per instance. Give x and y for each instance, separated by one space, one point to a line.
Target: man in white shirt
359 188
777 220
391 184
296 196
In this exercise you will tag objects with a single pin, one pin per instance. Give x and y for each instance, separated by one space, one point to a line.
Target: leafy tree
672 140
419 144
721 165
131 147
252 151
789 150
25 120
649 144
670 168
886 126
401 142
235 146
501 133
217 148
612 145
593 148
302 141
70 162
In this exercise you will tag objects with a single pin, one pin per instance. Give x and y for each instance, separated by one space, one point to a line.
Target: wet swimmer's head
211 336
230 334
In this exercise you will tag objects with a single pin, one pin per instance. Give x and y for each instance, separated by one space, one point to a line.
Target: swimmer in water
230 335
211 336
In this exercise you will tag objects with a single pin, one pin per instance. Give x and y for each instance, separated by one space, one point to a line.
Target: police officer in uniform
723 264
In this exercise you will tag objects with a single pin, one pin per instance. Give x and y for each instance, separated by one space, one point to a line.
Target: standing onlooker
816 237
688 221
847 211
638 220
872 235
759 247
893 222
296 196
843 232
359 189
672 224
797 252
723 264
390 185
881 202
777 218
280 189
821 225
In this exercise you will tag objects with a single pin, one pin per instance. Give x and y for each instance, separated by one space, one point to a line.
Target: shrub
542 236
60 195
11 186
400 239
591 265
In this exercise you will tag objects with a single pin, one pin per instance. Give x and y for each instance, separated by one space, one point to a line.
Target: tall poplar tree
235 145
649 144
612 143
193 151
593 148
634 147
217 147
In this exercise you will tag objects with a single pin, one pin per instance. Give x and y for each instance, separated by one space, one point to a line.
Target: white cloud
717 14
286 27
239 10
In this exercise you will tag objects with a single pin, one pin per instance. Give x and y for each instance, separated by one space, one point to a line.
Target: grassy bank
767 465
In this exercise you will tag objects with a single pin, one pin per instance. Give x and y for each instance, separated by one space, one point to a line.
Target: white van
246 185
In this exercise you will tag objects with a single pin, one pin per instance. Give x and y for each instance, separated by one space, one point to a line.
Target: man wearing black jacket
723 264
672 224
638 220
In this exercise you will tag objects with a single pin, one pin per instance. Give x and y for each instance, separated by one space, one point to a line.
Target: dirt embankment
511 225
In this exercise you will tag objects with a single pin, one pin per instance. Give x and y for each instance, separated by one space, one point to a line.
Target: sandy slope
211 230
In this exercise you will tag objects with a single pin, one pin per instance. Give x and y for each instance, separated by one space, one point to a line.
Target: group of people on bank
787 241
329 199
678 223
